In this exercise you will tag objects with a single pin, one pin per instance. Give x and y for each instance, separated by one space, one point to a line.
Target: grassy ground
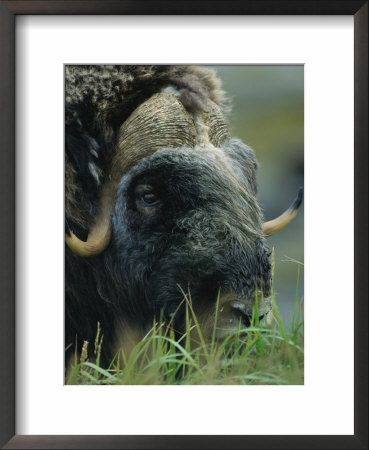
264 353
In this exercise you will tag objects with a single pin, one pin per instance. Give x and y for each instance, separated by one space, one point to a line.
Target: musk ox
159 200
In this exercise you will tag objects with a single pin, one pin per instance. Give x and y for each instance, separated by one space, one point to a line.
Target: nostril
243 313
240 310
246 321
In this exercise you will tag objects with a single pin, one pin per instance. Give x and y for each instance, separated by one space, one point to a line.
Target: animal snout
241 308
233 311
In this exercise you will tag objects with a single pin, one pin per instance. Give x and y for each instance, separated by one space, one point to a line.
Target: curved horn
273 226
100 232
157 123
218 129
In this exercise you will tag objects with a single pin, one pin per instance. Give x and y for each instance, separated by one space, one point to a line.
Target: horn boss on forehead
160 122
211 126
218 129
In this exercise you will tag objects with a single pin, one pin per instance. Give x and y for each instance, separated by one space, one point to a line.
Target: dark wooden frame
8 11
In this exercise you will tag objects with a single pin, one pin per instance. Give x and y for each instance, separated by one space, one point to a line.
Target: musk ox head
178 213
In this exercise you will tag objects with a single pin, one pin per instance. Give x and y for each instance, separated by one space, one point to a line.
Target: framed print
49 49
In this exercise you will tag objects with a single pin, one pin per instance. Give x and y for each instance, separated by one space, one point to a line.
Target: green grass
264 353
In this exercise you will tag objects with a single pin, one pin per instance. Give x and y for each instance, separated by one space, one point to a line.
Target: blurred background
268 115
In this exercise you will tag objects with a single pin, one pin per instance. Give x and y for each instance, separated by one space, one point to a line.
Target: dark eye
150 199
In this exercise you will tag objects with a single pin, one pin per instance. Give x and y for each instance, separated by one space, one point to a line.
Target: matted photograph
184 238
183 187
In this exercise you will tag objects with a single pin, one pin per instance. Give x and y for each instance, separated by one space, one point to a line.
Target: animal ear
244 158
